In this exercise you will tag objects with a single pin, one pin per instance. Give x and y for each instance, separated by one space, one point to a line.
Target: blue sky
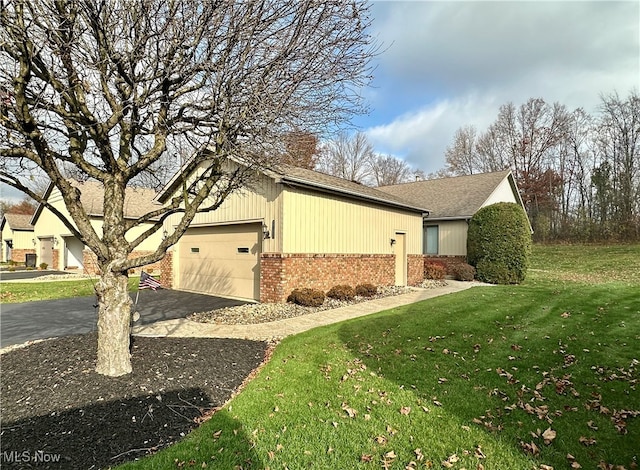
451 63
447 64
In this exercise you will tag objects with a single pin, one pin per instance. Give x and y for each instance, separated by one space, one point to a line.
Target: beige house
60 249
452 202
17 237
297 228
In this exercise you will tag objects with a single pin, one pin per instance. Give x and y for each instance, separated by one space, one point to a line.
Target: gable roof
303 177
310 179
137 201
452 198
17 221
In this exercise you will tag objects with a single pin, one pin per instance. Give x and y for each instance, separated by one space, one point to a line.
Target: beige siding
21 240
452 238
502 193
321 223
259 202
49 225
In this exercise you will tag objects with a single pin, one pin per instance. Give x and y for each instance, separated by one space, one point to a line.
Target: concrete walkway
291 326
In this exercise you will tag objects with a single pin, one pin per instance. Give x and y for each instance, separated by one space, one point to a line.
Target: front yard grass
15 292
505 377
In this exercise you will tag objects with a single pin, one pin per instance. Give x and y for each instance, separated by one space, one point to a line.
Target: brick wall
55 259
166 270
18 255
90 262
281 273
415 268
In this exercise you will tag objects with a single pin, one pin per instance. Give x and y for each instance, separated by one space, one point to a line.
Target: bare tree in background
388 170
619 144
347 157
112 87
300 149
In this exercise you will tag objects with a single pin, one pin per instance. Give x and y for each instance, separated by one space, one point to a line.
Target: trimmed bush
306 297
342 292
499 243
43 266
435 271
463 272
366 290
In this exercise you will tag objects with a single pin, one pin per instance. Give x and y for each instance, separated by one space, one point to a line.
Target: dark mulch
54 406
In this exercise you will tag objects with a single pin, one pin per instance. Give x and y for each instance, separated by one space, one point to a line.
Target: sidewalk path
291 326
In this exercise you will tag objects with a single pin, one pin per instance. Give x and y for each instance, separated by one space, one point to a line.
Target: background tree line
351 157
578 174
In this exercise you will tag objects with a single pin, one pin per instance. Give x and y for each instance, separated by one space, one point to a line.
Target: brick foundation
166 270
55 257
90 263
18 255
281 273
415 268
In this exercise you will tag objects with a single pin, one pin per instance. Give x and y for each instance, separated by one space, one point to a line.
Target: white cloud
421 137
449 64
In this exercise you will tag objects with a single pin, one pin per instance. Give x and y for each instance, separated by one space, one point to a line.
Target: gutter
333 190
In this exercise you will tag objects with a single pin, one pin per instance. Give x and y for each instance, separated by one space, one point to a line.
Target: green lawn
48 290
509 377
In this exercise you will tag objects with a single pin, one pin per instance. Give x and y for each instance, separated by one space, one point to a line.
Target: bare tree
388 170
112 87
347 157
300 149
619 144
25 207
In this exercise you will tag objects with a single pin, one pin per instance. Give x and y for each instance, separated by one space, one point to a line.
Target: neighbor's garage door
221 260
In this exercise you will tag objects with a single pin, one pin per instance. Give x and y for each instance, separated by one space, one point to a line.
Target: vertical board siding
259 201
502 193
453 238
322 223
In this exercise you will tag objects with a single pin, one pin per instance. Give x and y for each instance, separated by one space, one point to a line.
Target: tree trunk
114 324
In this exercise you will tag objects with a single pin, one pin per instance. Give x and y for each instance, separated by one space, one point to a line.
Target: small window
195 250
431 240
243 250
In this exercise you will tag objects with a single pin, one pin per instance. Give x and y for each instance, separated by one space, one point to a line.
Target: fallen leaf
437 403
405 410
451 460
478 454
549 435
350 411
381 440
587 441
366 458
530 447
565 314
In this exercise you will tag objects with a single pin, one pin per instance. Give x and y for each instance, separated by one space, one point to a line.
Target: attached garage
221 260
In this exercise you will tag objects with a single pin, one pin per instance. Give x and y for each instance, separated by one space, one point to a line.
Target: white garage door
221 260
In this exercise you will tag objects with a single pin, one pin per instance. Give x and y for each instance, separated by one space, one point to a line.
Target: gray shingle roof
456 197
137 201
332 184
18 221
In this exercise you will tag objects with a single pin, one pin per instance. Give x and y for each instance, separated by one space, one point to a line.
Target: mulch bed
56 408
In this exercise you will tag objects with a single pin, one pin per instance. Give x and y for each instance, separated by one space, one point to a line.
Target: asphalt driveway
53 318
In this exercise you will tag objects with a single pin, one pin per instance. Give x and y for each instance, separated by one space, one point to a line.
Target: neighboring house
296 228
60 249
17 237
452 202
